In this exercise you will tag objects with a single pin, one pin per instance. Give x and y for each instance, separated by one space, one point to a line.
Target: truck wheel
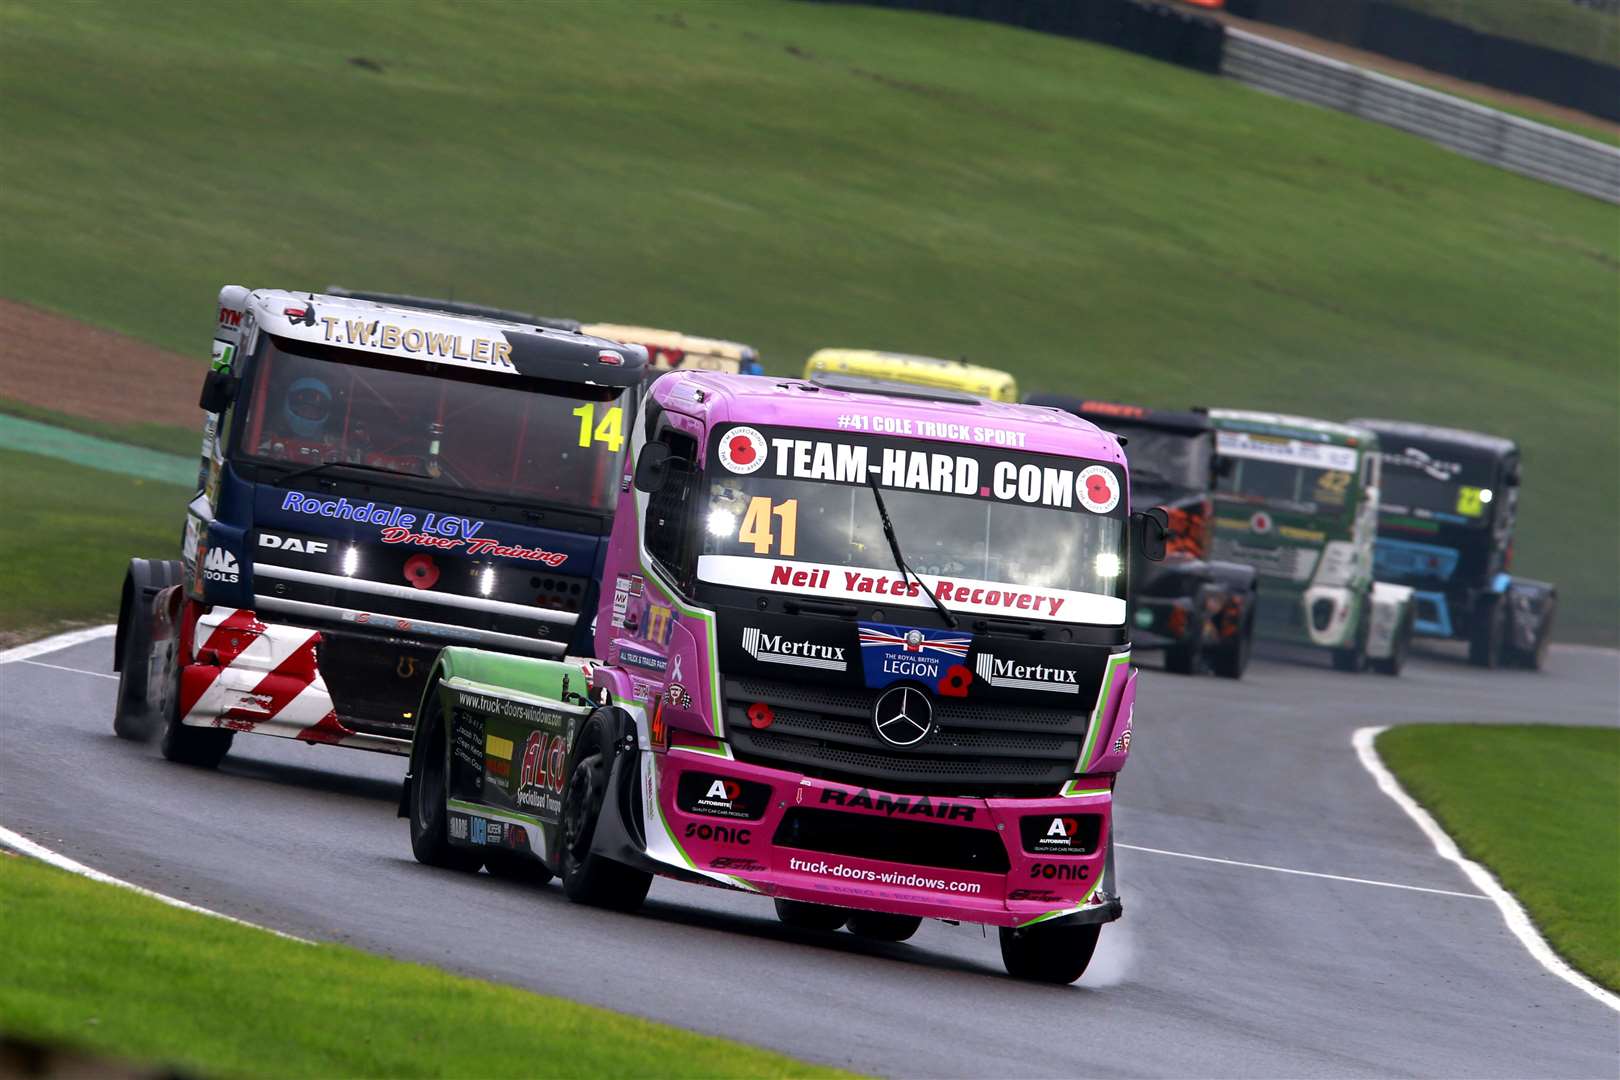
1049 954
878 926
1186 657
1485 638
430 790
204 747
803 916
588 878
1400 649
1354 659
523 869
1233 659
132 648
1536 658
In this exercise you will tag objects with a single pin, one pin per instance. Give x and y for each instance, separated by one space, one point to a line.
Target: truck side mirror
652 467
1148 531
218 391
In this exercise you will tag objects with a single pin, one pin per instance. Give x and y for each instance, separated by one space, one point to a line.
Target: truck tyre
1535 658
1186 657
804 916
1354 658
523 869
1486 636
1400 649
1049 954
878 926
203 747
589 878
430 790
1233 658
132 648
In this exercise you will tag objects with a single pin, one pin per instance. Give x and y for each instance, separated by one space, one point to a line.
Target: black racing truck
1199 611
378 481
1445 527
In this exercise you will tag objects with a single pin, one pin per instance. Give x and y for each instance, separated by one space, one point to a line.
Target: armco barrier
1494 137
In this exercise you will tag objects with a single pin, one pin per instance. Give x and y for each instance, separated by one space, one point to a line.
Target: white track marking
60 641
75 670
1303 873
1512 913
18 842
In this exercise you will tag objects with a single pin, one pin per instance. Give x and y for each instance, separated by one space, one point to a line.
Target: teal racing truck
1297 499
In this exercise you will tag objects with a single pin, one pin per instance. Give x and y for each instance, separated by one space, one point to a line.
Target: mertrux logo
220 565
776 649
1020 676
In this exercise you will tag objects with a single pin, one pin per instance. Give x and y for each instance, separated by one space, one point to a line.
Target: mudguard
144 582
1388 613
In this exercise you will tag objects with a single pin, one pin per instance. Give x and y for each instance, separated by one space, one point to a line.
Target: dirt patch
54 362
1412 72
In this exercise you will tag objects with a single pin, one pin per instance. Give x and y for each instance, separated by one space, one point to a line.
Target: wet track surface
1216 969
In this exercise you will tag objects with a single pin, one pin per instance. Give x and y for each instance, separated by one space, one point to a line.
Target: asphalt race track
1216 969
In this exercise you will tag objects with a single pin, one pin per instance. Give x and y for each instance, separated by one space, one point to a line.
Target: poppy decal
760 715
1098 489
421 571
955 682
742 450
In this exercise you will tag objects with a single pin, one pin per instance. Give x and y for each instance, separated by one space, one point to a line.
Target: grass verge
162 437
82 960
67 534
1540 807
797 175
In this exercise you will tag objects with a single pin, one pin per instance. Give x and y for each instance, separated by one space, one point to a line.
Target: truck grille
975 749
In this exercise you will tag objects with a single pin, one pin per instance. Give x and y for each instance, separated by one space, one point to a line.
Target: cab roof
919 370
1293 427
672 339
1186 421
1401 432
718 398
456 340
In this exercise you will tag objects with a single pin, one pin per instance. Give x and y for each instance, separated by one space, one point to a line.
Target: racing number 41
756 525
610 430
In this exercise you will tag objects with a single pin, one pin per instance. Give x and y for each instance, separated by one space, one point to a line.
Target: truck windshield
1288 474
1423 486
991 532
434 426
1165 459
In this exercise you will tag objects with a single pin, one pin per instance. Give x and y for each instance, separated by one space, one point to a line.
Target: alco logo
742 450
220 565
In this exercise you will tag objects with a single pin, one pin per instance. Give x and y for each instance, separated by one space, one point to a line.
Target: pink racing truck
865 653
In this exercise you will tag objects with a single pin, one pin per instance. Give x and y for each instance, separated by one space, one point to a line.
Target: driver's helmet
306 407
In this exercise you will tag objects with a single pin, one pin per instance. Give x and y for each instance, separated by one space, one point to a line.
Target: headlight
1338 564
1108 565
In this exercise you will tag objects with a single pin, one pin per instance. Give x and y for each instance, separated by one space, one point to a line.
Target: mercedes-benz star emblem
902 715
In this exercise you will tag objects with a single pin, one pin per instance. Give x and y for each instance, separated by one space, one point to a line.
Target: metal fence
1491 136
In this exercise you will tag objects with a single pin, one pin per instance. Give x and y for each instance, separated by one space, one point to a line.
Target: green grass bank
1540 807
796 175
82 959
66 535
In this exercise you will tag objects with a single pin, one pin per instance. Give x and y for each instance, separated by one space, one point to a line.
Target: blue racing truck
377 481
1445 527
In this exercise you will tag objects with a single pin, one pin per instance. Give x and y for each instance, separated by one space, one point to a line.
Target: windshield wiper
900 559
310 470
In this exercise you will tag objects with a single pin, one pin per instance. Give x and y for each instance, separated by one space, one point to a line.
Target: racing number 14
756 525
610 430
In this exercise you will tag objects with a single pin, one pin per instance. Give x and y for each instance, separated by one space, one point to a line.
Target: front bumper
788 835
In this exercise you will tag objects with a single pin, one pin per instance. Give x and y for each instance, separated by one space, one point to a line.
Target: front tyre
1233 658
201 747
588 878
1485 638
1049 954
803 916
1186 657
1354 658
430 790
1400 649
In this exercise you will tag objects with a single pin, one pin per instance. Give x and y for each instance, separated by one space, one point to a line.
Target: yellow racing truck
893 367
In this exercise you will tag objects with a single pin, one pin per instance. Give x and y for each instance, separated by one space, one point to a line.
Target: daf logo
902 715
